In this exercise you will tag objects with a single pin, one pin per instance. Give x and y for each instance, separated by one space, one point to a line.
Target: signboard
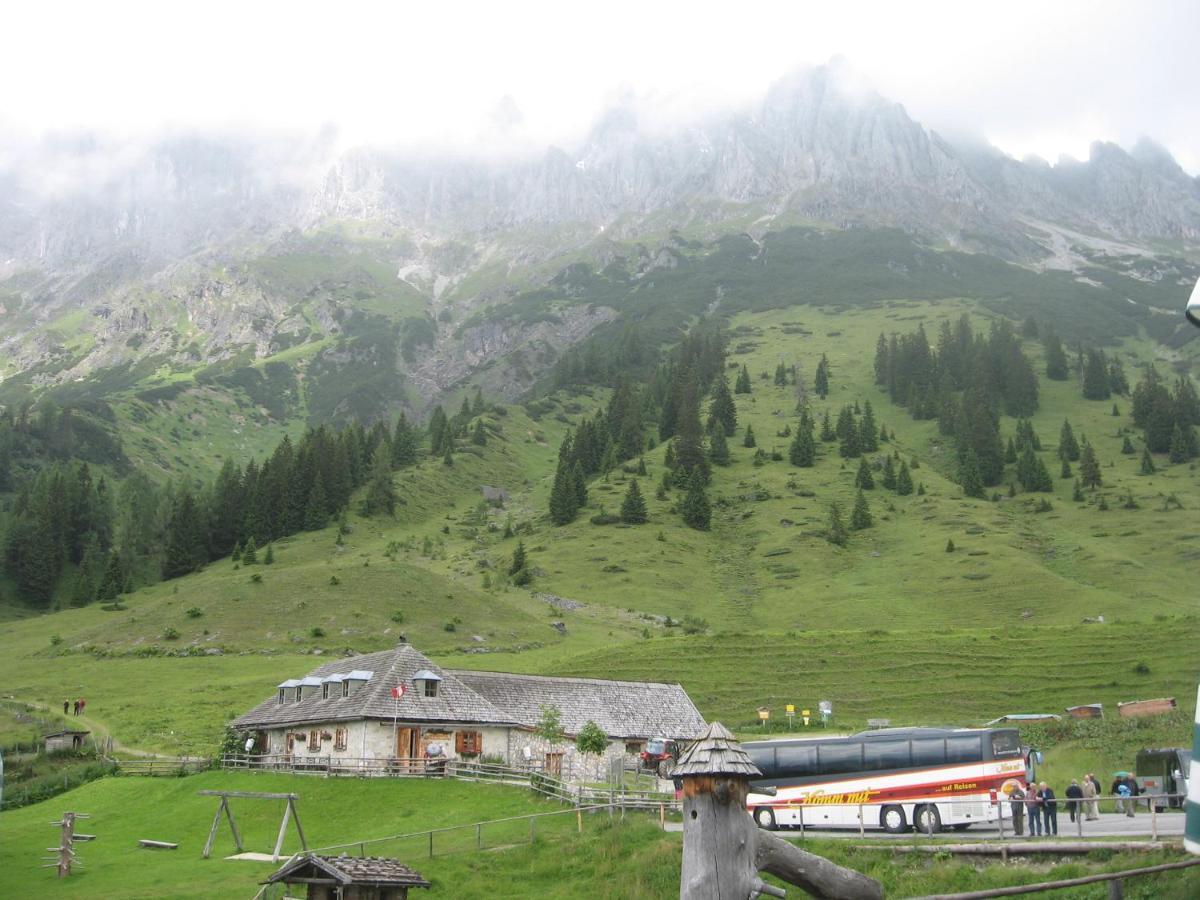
791 709
763 713
806 714
825 707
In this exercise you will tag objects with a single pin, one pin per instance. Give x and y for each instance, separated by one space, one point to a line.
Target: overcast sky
1045 77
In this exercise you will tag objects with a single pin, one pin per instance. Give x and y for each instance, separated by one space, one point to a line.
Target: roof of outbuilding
621 708
364 870
455 702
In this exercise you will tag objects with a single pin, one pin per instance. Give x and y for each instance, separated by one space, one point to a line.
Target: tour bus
902 776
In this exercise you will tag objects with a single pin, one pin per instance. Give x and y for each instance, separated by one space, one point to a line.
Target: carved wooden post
718 834
723 850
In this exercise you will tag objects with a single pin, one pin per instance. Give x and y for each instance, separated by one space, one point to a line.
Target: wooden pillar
718 839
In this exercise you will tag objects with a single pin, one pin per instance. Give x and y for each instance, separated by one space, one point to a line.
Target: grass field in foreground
624 860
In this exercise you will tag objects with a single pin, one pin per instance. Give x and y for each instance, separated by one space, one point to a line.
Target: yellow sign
764 714
791 709
806 714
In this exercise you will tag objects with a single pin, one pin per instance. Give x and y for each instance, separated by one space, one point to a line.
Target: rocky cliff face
150 243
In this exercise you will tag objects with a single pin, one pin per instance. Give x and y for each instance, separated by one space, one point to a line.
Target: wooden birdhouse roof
715 752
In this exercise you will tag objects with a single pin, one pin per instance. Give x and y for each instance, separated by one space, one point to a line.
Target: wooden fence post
723 851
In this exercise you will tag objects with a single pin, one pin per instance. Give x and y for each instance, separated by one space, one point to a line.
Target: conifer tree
748 439
1077 492
437 430
448 452
828 435
1089 466
950 545
1096 384
563 505
1065 471
864 480
269 556
742 384
802 452
641 466
404 444
186 542
821 381
1057 368
519 560
1127 448
1068 447
250 552
477 406
316 512
969 476
112 582
780 374
860 517
836 533
1148 467
1178 451
1010 452
695 508
904 484
718 447
479 435
633 507
722 408
889 474
868 435
381 494
579 483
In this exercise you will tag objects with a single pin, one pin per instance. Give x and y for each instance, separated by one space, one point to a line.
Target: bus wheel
927 819
764 817
892 820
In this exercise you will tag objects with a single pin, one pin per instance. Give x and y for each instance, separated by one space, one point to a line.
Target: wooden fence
161 766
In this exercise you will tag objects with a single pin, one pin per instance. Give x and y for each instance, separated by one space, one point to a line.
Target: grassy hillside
776 612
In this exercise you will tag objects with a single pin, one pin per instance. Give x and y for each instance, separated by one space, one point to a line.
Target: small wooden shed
349 877
65 740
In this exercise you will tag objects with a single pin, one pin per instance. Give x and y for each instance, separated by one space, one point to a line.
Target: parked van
1164 770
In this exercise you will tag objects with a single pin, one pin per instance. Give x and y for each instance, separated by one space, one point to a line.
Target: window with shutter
468 742
339 740
314 740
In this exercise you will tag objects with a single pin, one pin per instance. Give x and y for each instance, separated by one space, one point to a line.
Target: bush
256 578
398 617
170 634
1141 669
449 626
605 519
316 631
195 612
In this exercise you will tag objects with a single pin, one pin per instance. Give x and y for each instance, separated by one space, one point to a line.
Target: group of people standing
1038 803
79 706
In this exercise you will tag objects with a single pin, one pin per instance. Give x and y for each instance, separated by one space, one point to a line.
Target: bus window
964 748
928 752
886 755
837 758
764 758
796 760
1006 743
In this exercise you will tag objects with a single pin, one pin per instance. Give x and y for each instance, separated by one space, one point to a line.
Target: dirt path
99 731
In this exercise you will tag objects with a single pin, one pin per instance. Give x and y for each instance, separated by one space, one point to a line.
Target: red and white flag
398 691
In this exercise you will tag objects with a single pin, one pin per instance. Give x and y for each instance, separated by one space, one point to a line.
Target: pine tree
695 508
381 493
519 560
836 534
1010 452
889 474
860 518
864 480
112 582
821 381
404 444
1065 472
477 406
633 507
579 483
904 484
479 435
969 476
780 374
1057 368
1095 376
250 552
1068 447
438 427
802 452
722 408
1178 451
641 466
868 435
186 541
828 435
950 545
1148 467
742 384
269 556
316 512
748 439
1127 447
563 505
1077 492
448 452
718 447
1089 466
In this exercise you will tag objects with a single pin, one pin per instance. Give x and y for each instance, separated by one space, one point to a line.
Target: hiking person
1134 793
1124 799
1033 810
76 707
1049 809
1074 799
66 706
1095 803
1091 806
1017 796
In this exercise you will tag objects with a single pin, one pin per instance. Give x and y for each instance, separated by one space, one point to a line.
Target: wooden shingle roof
455 702
715 752
628 709
346 870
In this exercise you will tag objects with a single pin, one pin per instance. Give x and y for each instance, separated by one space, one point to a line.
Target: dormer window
281 692
345 688
426 683
325 691
285 689
299 693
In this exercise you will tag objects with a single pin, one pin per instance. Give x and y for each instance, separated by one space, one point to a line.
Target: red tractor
659 756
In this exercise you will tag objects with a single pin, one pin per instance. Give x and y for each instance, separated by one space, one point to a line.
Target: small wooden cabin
349 877
65 740
1138 709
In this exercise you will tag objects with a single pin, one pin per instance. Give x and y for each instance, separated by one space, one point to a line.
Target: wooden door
553 765
406 746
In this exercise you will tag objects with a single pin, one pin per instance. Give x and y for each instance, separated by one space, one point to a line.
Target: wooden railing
162 766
